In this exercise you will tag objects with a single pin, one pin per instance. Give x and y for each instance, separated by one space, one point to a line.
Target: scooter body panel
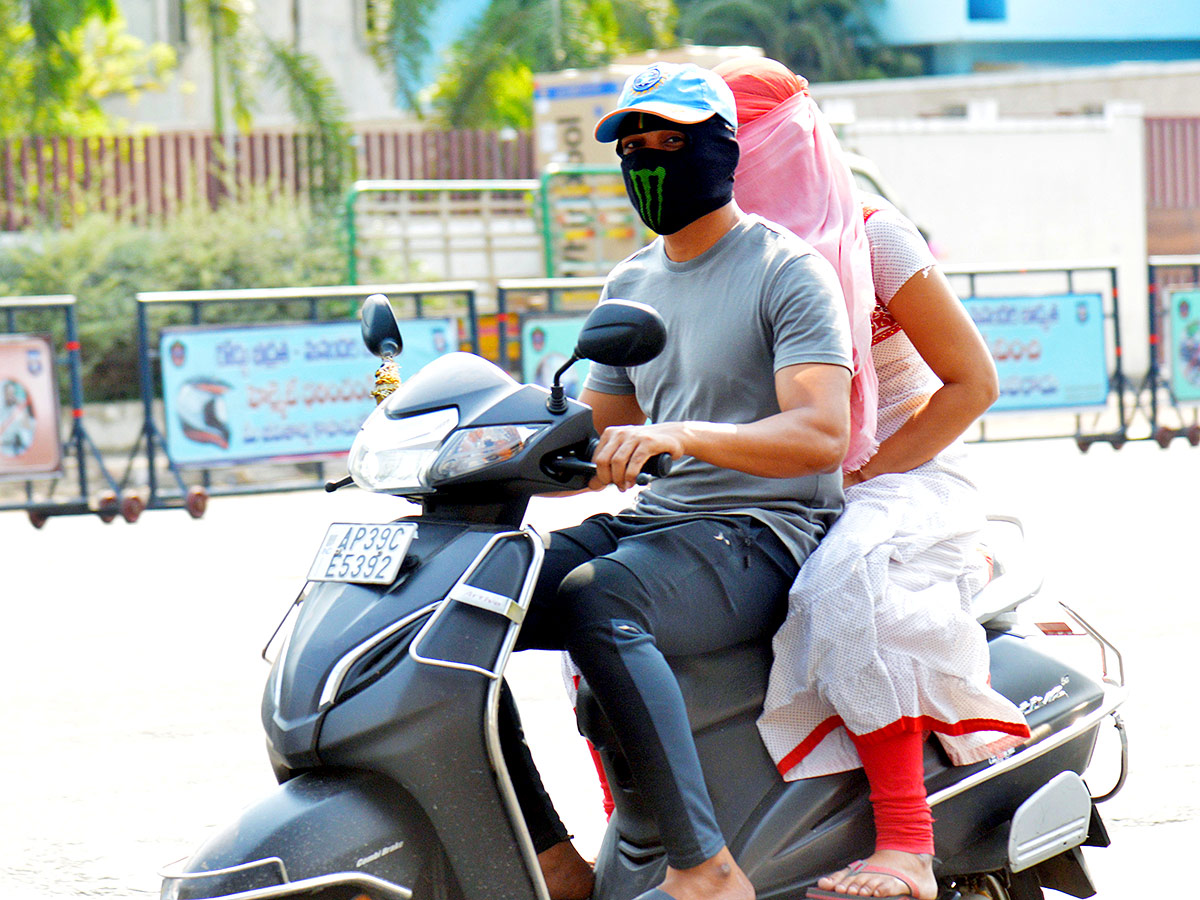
338 620
787 834
318 826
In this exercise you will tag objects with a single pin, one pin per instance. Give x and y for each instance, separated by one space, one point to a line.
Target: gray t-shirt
758 300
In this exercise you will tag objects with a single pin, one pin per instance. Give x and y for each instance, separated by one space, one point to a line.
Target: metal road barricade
1054 331
30 446
517 298
1174 310
239 393
485 227
588 223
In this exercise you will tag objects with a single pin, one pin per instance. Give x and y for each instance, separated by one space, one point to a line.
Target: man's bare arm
809 435
612 409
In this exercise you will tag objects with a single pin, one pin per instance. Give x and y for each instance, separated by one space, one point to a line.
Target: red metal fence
1173 163
1173 185
52 181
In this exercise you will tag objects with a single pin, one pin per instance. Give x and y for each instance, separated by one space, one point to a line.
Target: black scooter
381 707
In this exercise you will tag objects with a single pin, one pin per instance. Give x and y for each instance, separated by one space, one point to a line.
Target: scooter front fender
320 834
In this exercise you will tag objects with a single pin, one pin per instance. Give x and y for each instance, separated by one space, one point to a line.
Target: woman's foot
718 878
866 878
568 875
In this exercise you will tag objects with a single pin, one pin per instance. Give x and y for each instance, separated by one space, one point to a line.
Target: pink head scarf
792 172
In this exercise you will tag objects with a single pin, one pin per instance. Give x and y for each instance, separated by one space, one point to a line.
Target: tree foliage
823 40
61 58
104 261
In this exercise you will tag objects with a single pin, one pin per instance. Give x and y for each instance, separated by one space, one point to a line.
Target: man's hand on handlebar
624 449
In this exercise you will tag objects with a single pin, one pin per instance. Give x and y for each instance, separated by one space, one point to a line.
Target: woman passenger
879 646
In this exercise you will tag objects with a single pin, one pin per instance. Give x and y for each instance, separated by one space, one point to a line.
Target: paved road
129 657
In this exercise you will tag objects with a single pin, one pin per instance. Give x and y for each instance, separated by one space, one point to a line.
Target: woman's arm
940 329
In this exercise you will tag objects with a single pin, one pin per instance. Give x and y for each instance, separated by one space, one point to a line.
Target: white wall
330 31
997 193
1162 88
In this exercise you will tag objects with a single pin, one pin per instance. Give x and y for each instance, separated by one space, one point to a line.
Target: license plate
362 553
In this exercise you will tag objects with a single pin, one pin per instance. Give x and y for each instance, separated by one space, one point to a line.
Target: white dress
879 638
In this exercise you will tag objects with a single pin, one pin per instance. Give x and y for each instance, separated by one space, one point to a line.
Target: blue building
955 37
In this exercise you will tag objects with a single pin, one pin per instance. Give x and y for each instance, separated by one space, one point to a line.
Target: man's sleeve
807 314
608 379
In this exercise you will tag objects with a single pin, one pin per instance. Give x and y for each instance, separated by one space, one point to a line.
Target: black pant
621 594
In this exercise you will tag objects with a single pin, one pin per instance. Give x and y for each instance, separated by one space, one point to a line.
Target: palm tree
824 40
401 46
241 55
489 78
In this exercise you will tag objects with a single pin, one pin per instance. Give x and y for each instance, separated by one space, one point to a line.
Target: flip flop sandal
860 867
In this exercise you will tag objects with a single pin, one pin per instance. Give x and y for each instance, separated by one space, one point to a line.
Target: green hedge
256 243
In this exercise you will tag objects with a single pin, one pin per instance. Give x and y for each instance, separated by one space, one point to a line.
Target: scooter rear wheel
983 887
1000 886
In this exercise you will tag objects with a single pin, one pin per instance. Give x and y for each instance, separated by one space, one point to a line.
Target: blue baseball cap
678 92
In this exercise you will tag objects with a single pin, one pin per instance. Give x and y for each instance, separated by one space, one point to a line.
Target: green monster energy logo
647 186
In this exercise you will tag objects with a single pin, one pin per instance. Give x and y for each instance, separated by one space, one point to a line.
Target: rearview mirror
622 333
616 333
380 331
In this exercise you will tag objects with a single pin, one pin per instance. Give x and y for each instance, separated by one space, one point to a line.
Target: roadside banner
546 343
29 437
294 391
1049 350
1183 343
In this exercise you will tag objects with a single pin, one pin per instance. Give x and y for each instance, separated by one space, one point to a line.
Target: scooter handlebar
656 466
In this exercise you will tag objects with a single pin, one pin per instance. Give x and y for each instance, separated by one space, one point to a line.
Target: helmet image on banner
200 406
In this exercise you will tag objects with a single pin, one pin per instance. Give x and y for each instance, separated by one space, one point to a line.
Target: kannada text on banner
1184 343
1049 350
234 395
29 441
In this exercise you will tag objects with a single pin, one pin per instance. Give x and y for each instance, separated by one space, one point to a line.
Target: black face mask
670 189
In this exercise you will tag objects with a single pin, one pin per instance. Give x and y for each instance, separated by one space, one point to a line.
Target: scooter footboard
326 835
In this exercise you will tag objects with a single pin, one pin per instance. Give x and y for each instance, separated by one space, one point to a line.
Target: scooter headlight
395 454
473 449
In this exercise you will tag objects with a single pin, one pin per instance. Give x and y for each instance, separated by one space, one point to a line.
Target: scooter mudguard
330 834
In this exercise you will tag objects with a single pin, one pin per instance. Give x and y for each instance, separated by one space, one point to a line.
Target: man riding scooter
750 397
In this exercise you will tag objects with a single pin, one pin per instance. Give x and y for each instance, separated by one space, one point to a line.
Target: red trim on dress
900 726
883 323
809 744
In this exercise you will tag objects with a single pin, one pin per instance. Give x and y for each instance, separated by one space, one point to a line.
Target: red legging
895 768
